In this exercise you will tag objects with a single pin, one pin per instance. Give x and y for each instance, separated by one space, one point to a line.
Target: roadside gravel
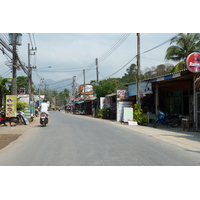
10 133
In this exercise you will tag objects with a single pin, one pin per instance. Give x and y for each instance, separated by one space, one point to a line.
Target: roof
91 99
111 95
163 77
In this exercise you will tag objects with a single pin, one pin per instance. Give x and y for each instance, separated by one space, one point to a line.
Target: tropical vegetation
184 45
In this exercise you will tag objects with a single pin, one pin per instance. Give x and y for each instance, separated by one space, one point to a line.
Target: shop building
176 93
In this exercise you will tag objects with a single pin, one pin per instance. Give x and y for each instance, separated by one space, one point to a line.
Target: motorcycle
43 119
10 120
36 112
20 117
173 122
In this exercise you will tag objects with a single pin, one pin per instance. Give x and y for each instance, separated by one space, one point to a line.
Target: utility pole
30 72
45 90
14 69
74 86
138 69
14 40
97 71
84 82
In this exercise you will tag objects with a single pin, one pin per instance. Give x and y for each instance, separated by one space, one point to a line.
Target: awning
111 95
91 99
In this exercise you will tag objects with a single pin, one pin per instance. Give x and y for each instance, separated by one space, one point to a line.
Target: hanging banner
11 105
193 62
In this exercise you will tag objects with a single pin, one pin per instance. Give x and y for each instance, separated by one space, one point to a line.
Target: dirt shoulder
10 133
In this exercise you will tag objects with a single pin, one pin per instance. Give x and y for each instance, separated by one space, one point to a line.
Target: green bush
21 106
101 113
104 113
138 115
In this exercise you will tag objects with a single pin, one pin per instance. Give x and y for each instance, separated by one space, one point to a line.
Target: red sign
88 89
193 62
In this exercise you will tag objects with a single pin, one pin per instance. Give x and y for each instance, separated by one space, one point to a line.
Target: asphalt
189 140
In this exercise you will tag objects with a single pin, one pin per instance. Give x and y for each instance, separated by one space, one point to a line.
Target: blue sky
70 53
70 36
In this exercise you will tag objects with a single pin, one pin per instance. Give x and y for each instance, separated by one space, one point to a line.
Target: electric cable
144 53
114 47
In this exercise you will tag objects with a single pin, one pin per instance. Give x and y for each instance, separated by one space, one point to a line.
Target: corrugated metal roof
161 77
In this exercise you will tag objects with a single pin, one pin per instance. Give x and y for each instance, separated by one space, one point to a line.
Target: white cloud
78 51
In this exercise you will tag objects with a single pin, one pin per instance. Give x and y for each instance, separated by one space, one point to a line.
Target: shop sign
11 105
86 89
145 88
193 62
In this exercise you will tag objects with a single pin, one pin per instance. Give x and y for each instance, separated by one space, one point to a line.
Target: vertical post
195 103
84 82
97 70
157 103
29 75
138 69
14 69
73 86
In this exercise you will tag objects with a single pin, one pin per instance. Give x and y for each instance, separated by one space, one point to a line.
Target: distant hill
60 85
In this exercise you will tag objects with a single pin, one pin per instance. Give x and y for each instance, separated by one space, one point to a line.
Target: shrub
101 113
138 115
21 106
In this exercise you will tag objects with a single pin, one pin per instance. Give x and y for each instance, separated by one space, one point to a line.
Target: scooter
43 119
162 120
10 120
36 112
3 118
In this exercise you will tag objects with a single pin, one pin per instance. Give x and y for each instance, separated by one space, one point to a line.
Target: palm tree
185 45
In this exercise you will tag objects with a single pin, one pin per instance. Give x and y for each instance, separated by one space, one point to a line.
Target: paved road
71 140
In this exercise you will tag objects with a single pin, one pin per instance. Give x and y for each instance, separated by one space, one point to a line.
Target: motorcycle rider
44 107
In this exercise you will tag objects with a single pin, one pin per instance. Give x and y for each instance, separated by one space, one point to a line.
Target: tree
185 45
22 81
107 87
4 90
62 97
130 76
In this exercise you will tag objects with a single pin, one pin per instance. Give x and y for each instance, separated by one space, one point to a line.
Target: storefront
176 93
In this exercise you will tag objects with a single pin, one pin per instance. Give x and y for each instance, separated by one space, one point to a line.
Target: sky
69 54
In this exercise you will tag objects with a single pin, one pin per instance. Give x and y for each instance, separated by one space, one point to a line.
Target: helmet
44 100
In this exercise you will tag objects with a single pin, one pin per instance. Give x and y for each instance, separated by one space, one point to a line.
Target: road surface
73 140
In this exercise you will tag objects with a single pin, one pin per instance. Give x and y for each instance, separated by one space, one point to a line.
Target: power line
160 44
121 67
143 53
114 47
60 81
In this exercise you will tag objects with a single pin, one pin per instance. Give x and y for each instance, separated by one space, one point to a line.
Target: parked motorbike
43 119
173 122
36 112
10 120
20 117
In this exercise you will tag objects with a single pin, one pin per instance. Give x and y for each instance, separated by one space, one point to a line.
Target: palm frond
180 66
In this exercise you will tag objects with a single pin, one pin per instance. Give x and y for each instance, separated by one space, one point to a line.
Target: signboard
87 87
128 114
193 62
23 98
120 108
122 95
11 105
27 113
104 102
145 88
